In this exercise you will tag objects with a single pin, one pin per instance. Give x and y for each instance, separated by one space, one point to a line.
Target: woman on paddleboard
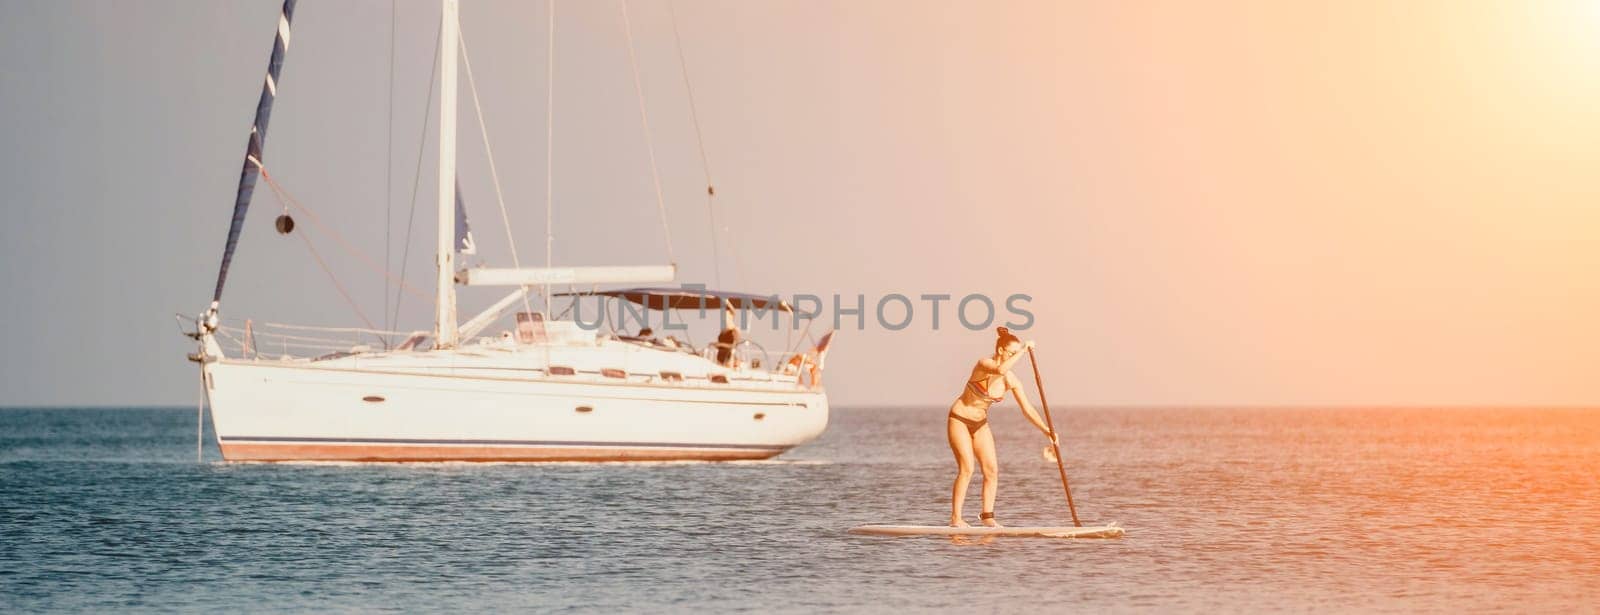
968 424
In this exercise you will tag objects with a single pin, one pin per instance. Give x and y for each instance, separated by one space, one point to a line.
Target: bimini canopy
689 299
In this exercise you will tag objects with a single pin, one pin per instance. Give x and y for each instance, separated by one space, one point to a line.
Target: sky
1218 203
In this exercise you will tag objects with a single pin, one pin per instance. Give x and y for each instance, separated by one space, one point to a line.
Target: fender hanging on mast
254 150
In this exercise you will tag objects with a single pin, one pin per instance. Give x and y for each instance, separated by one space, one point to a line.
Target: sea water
1226 509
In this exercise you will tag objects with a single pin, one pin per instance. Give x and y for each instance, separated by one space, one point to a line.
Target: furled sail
464 243
256 146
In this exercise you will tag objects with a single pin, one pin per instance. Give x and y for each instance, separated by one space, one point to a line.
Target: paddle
1054 441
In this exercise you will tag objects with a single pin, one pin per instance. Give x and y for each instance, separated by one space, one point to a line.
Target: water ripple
1236 510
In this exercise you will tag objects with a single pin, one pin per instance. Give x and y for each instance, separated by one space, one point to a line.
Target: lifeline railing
268 340
247 339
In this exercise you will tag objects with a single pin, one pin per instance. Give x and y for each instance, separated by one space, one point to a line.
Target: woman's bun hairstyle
1003 336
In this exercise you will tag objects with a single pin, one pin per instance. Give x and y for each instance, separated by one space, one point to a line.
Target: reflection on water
1352 509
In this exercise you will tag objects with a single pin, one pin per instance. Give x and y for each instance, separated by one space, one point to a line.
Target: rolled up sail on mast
254 150
464 243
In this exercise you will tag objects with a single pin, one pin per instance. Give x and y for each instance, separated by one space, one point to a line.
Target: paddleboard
1088 531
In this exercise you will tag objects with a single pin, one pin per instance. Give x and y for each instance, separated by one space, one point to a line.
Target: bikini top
983 392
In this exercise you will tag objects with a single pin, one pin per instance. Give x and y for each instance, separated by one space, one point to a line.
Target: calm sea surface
1235 510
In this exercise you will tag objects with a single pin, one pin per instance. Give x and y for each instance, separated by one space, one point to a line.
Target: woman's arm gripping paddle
1015 384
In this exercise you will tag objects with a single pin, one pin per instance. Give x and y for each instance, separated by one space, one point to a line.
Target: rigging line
200 421
388 168
230 338
705 160
322 346
483 128
314 254
295 340
304 338
279 325
644 121
549 150
288 199
805 335
427 113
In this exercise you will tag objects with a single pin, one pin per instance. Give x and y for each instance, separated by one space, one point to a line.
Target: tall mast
444 326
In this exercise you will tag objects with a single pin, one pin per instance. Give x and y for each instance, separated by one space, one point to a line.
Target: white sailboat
550 390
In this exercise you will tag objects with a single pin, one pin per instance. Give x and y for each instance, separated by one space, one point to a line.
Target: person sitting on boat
967 425
725 343
645 335
810 362
727 339
802 364
796 362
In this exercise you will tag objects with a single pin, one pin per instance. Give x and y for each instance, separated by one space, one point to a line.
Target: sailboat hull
496 451
268 411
